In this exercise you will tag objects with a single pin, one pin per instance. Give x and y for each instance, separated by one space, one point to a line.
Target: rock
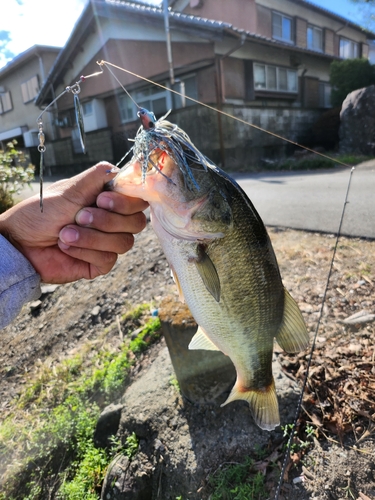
181 441
48 288
358 318
357 128
107 425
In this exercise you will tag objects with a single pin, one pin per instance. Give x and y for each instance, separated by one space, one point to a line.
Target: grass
238 482
316 162
46 440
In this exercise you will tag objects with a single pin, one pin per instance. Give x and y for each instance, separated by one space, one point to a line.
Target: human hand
72 238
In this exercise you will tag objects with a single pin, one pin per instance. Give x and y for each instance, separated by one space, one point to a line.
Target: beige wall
23 114
241 13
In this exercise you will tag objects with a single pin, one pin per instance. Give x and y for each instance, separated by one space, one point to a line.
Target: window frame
277 89
314 28
353 45
148 97
281 38
30 89
323 86
3 107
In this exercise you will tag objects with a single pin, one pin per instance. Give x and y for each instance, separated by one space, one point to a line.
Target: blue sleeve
19 282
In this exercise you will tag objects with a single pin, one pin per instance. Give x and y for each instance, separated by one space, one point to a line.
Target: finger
83 188
110 222
116 202
87 238
99 262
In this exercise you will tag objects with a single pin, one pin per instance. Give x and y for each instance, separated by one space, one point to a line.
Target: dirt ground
338 403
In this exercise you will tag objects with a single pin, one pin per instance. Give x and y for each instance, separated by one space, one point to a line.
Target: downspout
168 38
220 95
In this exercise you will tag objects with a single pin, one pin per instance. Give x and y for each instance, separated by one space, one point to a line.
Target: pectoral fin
176 280
208 273
201 341
292 335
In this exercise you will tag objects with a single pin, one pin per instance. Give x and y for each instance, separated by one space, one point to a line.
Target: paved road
314 200
308 200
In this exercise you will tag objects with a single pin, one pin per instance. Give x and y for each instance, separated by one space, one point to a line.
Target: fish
221 259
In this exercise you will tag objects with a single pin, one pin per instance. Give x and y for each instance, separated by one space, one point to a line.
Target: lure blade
79 119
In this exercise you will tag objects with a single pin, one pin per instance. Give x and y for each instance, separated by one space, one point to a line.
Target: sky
50 22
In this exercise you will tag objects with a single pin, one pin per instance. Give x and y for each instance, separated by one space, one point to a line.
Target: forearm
19 282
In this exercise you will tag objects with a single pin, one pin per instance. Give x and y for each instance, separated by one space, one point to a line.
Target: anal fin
201 341
263 404
292 335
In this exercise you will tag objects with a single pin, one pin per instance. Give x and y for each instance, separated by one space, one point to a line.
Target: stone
107 425
357 127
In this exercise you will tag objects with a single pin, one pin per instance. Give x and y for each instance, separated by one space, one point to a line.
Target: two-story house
264 61
20 82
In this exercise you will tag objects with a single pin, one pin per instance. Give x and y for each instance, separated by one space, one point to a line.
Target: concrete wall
61 159
246 148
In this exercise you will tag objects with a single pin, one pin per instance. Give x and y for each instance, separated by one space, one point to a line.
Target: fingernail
68 235
105 202
84 217
62 245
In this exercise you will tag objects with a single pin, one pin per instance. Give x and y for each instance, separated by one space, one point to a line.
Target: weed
237 482
299 444
174 383
49 435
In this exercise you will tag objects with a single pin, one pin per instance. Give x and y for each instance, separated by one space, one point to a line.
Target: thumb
86 186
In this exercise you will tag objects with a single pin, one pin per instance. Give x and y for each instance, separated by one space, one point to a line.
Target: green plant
131 447
14 174
238 482
299 443
349 75
48 437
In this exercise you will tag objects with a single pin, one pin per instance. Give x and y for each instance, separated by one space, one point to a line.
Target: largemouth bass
221 259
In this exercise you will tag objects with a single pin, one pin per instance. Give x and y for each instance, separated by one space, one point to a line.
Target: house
20 82
265 62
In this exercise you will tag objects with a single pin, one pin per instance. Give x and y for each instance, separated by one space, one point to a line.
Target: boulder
357 127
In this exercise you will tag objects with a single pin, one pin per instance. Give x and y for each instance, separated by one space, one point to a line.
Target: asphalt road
307 200
315 200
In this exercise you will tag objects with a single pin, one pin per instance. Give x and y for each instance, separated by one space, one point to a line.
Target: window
348 49
30 89
87 108
324 95
282 28
153 98
314 38
187 86
274 78
5 102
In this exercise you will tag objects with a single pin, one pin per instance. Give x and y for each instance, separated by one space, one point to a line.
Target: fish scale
222 261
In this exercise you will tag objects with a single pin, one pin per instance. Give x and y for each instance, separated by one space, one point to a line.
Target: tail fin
263 404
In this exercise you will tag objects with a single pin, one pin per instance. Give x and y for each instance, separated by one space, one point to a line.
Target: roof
20 59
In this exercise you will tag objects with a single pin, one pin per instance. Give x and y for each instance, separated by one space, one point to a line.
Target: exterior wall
240 13
23 114
301 30
233 85
329 42
141 57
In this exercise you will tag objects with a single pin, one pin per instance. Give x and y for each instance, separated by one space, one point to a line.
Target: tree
349 75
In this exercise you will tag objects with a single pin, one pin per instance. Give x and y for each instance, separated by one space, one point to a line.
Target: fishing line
300 400
228 115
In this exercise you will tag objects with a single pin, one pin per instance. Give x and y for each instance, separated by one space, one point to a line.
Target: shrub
14 174
349 75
